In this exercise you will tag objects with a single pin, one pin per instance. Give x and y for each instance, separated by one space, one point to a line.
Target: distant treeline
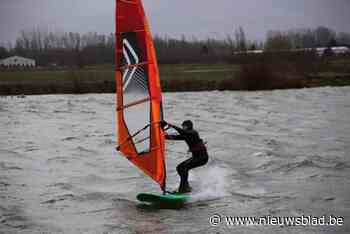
79 50
305 38
63 49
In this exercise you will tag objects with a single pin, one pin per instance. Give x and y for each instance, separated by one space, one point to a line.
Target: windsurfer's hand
163 124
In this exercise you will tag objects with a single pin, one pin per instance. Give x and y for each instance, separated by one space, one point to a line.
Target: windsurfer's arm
174 137
178 129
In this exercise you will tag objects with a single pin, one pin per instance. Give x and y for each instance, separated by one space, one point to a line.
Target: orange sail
140 137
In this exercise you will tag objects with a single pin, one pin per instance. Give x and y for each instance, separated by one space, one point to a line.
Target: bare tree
277 41
241 41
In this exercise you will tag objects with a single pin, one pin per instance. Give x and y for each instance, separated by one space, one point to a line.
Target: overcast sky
200 18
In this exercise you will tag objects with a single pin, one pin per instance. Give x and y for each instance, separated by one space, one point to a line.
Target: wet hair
187 123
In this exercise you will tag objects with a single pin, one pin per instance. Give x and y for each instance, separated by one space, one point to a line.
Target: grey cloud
201 18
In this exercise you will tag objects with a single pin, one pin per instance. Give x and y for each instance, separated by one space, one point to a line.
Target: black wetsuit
198 149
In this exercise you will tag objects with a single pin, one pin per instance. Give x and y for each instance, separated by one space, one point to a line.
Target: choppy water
277 153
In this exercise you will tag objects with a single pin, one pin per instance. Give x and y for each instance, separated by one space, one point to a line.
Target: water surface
277 153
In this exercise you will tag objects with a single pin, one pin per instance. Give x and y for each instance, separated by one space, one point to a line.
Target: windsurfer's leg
198 159
182 170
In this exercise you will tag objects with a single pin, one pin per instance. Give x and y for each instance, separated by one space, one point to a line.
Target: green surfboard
175 198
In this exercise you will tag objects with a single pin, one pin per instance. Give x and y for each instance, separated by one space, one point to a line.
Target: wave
60 159
62 111
6 167
10 154
84 151
63 186
87 112
274 166
95 196
86 197
59 198
70 138
341 166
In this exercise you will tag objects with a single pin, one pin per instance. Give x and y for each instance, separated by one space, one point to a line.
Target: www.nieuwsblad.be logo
303 220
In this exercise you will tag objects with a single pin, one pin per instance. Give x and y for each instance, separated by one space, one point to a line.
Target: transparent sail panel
135 89
136 118
135 92
135 85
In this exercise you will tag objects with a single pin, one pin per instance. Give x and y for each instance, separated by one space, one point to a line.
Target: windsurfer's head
187 125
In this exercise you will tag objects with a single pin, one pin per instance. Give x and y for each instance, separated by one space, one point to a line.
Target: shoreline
40 87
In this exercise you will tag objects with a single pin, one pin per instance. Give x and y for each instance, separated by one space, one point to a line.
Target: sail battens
128 1
134 65
136 30
133 104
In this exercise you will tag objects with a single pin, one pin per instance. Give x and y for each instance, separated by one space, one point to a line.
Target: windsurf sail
140 137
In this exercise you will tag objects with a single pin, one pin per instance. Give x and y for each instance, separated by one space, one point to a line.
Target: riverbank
174 78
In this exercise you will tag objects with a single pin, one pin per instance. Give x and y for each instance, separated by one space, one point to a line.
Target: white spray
210 182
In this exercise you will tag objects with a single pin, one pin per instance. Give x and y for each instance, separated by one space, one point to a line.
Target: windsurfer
196 147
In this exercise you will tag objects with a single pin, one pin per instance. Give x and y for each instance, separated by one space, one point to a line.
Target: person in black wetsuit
196 146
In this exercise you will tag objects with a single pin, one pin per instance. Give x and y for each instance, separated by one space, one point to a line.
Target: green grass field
106 72
176 77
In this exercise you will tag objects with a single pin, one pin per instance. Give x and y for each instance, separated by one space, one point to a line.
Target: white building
17 61
337 50
341 50
248 52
